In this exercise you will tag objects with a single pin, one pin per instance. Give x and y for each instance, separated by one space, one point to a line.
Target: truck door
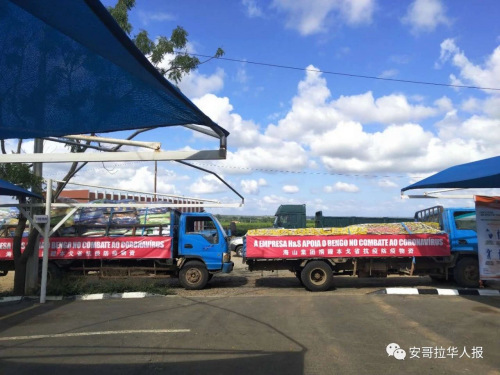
200 237
463 230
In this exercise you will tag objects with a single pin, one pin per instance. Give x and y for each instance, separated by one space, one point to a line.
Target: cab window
203 226
465 220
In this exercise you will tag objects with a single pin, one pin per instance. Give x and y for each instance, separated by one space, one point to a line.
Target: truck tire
466 272
193 275
239 251
54 273
317 276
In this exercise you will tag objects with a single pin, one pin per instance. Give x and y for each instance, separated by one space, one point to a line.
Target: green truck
291 216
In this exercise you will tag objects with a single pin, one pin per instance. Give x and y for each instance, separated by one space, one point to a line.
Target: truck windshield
220 227
277 222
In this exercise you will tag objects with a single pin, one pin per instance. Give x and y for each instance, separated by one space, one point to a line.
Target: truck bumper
227 267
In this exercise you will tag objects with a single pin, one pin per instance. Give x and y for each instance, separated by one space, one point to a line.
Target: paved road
310 333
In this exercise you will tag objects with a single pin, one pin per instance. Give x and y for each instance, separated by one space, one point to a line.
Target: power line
348 74
300 172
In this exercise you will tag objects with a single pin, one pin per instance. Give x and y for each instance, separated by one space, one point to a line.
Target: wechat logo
395 351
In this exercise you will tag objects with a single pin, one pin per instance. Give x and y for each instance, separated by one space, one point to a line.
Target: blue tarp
6 188
66 67
478 174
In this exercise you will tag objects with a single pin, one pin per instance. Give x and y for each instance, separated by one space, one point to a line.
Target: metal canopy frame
109 154
438 195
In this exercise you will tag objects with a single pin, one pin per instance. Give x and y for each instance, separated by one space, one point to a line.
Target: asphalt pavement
307 333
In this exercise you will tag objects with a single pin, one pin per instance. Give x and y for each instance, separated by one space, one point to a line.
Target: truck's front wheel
193 275
466 272
239 251
317 276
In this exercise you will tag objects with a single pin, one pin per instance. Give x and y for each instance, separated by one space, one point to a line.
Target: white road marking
402 291
488 292
79 334
447 292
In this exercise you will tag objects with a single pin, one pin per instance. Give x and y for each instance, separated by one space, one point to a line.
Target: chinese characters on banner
151 247
488 236
347 246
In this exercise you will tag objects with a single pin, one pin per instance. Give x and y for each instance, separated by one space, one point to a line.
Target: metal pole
156 177
32 263
45 261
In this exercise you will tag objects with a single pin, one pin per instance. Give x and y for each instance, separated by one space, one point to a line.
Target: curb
440 292
86 297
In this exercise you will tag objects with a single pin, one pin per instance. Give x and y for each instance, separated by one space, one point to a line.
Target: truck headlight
226 258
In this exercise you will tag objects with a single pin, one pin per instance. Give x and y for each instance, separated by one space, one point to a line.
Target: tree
22 175
156 51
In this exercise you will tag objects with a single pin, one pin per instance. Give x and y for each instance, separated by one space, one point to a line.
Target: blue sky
344 145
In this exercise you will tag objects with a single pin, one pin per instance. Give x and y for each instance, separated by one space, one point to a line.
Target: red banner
349 246
151 247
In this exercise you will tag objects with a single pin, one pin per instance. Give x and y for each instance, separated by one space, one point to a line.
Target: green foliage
120 14
157 50
20 174
146 45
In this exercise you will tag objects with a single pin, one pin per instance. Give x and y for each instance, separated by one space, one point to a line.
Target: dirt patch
7 282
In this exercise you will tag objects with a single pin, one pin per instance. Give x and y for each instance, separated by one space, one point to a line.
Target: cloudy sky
305 126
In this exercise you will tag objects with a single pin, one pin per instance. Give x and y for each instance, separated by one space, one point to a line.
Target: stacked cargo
382 228
120 221
9 221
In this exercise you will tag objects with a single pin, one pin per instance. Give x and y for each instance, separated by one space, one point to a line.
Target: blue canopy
6 188
66 67
478 174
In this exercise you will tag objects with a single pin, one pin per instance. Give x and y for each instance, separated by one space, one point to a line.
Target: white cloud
270 155
350 140
252 8
243 132
207 185
341 186
386 183
195 85
485 75
425 16
390 73
147 17
311 17
269 203
470 105
335 130
491 107
387 109
290 189
252 186
313 112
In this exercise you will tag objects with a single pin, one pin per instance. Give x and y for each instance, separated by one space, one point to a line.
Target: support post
46 236
33 260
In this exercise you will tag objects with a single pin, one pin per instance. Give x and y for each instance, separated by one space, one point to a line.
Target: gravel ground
258 283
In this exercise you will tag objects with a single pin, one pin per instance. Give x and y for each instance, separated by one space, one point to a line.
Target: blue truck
315 259
460 224
190 246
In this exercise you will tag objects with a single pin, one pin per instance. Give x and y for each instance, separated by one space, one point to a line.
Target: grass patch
6 293
71 285
79 285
